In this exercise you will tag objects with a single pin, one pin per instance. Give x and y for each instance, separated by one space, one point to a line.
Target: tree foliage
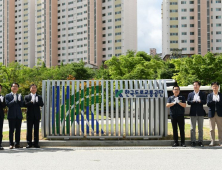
206 69
132 66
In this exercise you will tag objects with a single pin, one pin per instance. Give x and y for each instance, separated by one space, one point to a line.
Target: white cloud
149 25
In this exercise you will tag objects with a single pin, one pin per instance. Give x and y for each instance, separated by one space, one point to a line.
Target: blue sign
140 93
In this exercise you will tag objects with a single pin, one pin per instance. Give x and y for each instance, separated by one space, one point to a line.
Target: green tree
203 68
133 67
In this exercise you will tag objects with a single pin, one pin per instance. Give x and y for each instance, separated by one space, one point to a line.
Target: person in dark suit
196 99
214 102
2 105
177 103
14 102
33 102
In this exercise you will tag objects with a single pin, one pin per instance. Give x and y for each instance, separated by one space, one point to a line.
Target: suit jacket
14 107
212 104
2 105
197 107
33 109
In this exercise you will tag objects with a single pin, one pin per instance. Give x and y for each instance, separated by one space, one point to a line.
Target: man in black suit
2 105
33 102
214 102
196 99
177 104
14 102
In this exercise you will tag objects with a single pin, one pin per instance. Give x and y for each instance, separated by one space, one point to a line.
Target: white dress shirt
33 97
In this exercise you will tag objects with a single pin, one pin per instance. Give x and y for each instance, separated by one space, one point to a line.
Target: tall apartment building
17 32
195 26
56 31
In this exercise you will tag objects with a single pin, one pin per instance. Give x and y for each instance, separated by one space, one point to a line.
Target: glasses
176 89
14 86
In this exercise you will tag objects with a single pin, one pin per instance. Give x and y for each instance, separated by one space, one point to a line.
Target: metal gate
104 109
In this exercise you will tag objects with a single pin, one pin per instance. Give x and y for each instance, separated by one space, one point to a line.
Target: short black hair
1 86
33 85
213 83
176 86
197 83
15 83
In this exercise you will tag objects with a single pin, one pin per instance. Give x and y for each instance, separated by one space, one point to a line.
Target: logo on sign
119 93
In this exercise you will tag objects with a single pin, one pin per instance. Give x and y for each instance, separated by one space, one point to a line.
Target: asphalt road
114 158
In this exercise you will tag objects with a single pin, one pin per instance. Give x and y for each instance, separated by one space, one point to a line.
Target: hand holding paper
36 99
198 98
19 97
1 98
217 98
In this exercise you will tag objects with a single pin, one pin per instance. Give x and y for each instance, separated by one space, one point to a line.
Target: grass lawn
206 133
169 137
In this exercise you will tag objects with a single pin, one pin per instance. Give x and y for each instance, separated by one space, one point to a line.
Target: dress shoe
36 146
11 147
193 144
200 144
1 148
211 144
175 144
28 146
183 145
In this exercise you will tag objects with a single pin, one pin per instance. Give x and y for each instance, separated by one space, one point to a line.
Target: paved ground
105 158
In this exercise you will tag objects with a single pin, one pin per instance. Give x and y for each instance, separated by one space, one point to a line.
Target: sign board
139 93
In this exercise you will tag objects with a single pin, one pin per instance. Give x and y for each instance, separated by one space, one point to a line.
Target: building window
173 10
174 42
173 18
173 34
173 3
173 26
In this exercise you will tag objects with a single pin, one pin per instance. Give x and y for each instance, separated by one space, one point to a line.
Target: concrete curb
80 143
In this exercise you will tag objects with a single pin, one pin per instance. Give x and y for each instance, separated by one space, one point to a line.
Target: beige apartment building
65 31
195 26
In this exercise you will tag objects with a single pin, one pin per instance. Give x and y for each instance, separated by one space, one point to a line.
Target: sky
149 25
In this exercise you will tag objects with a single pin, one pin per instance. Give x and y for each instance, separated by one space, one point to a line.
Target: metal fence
104 109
